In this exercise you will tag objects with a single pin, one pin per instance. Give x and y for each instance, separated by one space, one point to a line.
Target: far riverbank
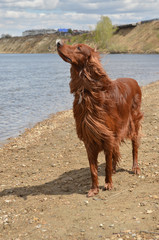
144 38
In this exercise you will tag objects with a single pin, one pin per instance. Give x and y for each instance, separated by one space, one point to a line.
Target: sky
17 16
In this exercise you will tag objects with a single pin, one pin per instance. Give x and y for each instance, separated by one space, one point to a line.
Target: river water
33 86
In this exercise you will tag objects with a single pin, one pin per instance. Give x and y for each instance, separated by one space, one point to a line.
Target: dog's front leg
108 171
92 157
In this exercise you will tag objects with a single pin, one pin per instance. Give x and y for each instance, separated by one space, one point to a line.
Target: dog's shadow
74 181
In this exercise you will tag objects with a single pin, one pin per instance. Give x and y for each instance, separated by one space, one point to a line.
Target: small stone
70 234
155 197
102 214
133 235
141 176
149 211
127 236
8 201
126 231
5 219
95 198
101 225
38 226
131 189
111 225
142 204
139 237
158 227
53 165
86 202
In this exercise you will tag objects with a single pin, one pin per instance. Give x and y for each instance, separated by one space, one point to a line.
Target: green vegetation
142 38
104 32
100 37
117 48
6 36
87 38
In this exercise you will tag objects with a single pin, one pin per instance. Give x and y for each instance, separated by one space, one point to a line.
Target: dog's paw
92 192
108 186
136 170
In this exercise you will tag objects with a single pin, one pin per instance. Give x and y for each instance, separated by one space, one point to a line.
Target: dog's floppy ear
86 51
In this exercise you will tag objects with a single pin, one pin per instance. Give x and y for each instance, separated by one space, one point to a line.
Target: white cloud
91 6
39 4
19 14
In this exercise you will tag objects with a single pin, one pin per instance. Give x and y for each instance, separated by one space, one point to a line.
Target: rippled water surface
32 86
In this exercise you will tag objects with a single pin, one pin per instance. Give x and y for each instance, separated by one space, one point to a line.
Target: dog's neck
90 78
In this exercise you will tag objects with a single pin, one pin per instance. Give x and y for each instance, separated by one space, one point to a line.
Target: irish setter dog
106 112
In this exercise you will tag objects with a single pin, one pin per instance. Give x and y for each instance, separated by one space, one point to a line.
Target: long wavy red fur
106 112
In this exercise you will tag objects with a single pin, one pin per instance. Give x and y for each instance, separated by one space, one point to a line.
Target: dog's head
77 54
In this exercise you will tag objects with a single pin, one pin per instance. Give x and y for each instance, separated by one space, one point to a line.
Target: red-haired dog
106 112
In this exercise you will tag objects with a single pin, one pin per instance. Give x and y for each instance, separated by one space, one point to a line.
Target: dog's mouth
65 58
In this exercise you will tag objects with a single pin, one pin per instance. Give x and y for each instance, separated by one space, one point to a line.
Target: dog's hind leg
135 146
108 171
135 141
137 115
116 157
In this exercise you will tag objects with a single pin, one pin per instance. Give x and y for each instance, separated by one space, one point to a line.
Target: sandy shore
45 176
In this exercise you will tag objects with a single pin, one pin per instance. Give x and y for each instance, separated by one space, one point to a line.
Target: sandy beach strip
45 177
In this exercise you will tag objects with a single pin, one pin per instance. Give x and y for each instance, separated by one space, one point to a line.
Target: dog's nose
59 43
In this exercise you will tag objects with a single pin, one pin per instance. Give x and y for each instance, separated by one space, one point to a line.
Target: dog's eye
79 48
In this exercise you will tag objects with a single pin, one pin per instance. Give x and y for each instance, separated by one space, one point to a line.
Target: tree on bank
6 36
103 32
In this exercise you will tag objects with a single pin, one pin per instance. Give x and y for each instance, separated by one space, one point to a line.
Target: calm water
32 86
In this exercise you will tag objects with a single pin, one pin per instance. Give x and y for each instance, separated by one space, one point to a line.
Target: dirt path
45 177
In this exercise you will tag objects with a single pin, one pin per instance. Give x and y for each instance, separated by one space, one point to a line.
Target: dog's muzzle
59 43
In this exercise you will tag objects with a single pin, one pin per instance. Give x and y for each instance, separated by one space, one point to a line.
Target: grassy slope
29 44
141 39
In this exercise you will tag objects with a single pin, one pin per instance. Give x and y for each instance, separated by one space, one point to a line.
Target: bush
103 32
6 36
